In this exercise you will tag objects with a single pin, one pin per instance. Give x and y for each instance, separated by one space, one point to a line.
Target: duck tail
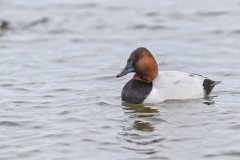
208 85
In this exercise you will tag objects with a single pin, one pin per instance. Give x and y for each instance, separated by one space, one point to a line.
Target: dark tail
208 85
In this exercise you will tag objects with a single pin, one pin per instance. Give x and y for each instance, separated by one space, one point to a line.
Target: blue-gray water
60 100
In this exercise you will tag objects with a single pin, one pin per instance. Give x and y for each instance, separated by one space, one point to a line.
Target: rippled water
60 98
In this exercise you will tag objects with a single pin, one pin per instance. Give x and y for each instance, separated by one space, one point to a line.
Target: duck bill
128 69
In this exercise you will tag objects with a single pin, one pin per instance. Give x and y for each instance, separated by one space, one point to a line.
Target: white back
175 85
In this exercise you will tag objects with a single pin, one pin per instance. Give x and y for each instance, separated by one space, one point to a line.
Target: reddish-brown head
142 62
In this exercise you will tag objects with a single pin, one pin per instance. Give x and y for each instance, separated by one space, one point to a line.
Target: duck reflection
140 114
138 130
209 100
143 126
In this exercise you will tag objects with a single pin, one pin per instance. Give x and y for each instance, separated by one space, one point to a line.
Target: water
60 99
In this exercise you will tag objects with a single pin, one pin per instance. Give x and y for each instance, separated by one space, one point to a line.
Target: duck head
142 62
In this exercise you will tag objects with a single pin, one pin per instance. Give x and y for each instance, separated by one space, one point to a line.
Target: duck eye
140 57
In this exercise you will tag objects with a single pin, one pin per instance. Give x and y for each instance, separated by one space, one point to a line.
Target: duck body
150 86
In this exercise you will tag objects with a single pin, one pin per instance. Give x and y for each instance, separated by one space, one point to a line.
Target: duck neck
146 77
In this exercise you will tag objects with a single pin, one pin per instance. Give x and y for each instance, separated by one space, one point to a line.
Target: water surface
60 98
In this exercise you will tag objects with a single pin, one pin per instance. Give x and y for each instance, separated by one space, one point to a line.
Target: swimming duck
150 86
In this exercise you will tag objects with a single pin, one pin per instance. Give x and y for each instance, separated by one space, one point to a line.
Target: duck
148 85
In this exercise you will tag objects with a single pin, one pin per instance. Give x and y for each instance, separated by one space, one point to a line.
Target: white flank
175 85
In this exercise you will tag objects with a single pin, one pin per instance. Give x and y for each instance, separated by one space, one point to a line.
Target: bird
148 85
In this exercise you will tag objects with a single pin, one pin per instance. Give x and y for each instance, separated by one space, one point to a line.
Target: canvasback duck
150 86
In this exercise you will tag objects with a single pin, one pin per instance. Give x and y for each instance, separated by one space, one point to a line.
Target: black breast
136 91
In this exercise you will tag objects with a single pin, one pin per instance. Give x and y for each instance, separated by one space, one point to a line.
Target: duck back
176 85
